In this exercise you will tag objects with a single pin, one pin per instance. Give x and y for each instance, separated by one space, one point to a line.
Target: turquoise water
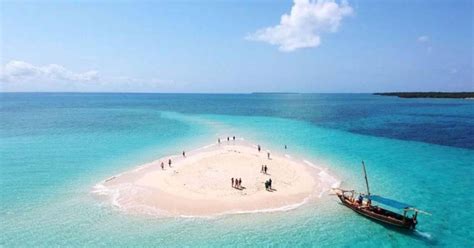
55 147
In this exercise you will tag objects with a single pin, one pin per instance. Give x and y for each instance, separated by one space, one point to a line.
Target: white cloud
23 76
302 28
425 42
20 71
423 39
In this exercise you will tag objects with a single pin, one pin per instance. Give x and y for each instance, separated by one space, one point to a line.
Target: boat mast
366 181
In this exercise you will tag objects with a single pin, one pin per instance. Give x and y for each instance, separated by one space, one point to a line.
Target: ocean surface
54 147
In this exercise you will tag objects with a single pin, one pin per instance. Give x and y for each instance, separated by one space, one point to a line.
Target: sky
236 46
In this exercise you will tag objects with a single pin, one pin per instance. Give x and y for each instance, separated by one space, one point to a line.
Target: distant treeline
429 94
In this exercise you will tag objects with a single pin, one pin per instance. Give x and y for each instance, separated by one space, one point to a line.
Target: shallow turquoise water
55 147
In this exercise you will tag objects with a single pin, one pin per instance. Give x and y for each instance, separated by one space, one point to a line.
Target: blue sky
237 46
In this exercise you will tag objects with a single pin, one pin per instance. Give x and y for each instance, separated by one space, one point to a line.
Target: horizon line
223 93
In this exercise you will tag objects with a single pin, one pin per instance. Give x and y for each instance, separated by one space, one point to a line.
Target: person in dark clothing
233 137
169 162
259 148
265 168
270 183
184 154
232 182
162 165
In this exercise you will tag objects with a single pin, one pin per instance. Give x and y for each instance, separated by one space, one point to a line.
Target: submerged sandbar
200 183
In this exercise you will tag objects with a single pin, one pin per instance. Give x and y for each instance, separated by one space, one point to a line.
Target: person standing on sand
233 137
261 170
265 168
240 183
218 140
228 138
162 165
268 155
259 148
270 183
232 182
184 154
169 162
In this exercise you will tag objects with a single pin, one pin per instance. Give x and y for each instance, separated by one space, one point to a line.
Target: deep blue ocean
54 147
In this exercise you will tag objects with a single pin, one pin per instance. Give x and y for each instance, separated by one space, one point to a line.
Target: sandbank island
461 95
200 183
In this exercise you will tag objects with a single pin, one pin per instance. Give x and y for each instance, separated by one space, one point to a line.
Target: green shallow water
53 152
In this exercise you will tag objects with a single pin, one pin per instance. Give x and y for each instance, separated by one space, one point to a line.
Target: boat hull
396 220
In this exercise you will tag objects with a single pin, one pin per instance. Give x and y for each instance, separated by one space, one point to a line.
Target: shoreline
147 189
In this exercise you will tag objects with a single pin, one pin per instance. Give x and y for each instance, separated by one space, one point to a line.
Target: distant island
463 95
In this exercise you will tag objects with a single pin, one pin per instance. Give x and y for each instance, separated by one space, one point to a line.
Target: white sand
200 184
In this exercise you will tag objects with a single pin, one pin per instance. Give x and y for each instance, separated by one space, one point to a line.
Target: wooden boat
363 205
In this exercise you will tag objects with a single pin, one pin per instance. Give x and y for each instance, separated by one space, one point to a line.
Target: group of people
228 139
163 164
237 183
268 184
169 161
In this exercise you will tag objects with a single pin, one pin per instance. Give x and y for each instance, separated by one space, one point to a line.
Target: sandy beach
200 183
